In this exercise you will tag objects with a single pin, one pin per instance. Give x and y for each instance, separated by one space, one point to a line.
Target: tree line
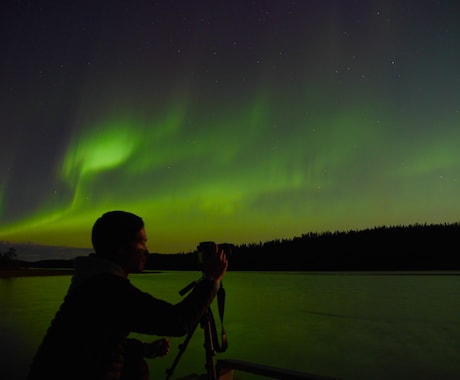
7 258
413 247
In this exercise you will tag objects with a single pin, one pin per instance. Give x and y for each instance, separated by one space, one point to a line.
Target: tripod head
190 286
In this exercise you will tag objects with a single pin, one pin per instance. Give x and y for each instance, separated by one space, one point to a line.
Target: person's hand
215 265
156 348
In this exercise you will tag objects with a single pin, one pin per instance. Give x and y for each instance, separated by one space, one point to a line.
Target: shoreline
33 272
41 272
36 272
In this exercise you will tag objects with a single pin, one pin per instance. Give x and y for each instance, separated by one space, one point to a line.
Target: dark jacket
99 311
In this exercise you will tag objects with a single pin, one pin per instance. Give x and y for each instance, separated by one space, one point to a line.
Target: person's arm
150 315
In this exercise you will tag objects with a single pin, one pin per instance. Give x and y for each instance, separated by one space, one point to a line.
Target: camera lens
205 249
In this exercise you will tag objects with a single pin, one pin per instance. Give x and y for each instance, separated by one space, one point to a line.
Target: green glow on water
347 325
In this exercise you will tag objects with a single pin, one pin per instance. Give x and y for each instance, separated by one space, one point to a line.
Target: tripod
208 325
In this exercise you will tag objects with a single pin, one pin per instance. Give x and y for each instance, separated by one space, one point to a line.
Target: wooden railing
226 367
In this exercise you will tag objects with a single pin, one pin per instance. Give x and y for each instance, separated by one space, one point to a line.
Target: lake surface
354 326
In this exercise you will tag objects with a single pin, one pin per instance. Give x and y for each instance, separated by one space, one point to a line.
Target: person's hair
115 230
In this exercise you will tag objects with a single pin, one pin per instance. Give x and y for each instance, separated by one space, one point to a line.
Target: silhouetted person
88 337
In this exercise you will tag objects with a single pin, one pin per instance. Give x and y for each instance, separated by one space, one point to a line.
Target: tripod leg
182 347
209 348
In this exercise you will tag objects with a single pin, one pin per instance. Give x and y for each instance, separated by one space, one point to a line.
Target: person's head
120 236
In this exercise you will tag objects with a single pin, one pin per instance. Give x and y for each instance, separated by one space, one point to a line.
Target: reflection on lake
349 325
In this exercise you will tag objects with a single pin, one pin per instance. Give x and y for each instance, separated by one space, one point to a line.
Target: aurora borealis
235 121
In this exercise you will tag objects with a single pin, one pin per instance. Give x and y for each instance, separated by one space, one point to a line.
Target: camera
206 248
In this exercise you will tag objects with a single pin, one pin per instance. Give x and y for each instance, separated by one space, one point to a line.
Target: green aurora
314 135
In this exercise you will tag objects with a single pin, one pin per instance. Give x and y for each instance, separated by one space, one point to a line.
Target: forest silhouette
413 247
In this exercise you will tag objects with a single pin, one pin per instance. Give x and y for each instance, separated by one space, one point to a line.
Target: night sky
234 121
